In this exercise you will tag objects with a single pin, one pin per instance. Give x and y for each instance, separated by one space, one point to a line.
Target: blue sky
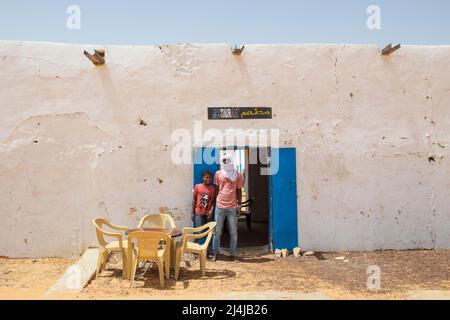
143 22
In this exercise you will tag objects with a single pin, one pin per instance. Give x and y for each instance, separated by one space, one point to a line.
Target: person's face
207 179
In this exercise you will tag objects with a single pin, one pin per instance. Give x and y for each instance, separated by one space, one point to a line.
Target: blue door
205 159
283 200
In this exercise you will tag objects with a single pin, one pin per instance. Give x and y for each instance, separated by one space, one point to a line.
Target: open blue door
283 199
205 159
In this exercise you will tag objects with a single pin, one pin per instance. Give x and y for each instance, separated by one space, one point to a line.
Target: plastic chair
188 246
105 248
157 221
149 247
247 212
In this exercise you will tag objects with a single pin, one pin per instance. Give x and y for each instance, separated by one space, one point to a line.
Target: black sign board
239 113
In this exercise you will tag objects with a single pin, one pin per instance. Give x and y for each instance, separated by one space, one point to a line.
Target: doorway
274 212
253 225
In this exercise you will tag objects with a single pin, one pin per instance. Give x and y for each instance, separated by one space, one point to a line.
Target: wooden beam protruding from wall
98 58
390 49
237 51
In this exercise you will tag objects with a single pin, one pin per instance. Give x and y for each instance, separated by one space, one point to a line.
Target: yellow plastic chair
157 221
188 246
105 248
150 246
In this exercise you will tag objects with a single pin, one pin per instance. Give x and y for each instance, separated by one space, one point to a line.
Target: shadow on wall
245 77
111 96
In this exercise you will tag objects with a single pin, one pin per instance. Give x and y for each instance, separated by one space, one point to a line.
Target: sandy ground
29 278
401 272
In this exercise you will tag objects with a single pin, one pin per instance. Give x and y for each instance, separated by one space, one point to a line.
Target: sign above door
239 113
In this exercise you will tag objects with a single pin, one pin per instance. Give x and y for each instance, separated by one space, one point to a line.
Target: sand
401 272
252 275
22 279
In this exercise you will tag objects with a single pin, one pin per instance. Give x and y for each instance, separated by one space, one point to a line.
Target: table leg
124 263
172 253
168 259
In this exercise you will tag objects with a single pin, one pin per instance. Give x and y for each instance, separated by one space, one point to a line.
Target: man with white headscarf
229 184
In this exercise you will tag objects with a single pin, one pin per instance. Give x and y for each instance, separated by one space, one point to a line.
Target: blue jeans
231 215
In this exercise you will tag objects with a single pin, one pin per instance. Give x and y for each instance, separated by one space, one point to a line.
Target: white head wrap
228 169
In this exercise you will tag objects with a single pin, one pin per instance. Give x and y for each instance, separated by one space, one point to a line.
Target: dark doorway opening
252 163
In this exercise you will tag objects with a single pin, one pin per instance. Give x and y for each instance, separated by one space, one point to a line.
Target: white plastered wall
371 133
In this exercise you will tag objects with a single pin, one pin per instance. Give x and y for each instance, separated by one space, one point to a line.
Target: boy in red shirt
203 202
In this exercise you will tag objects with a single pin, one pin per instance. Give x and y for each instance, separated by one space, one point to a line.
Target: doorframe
271 246
270 222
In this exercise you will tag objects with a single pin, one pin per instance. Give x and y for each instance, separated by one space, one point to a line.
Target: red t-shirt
227 196
204 198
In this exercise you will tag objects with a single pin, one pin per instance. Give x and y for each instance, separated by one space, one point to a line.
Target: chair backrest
148 243
248 203
246 206
209 227
157 221
98 223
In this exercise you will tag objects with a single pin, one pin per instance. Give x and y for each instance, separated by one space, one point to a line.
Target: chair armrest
188 231
114 235
193 230
190 236
196 236
121 228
